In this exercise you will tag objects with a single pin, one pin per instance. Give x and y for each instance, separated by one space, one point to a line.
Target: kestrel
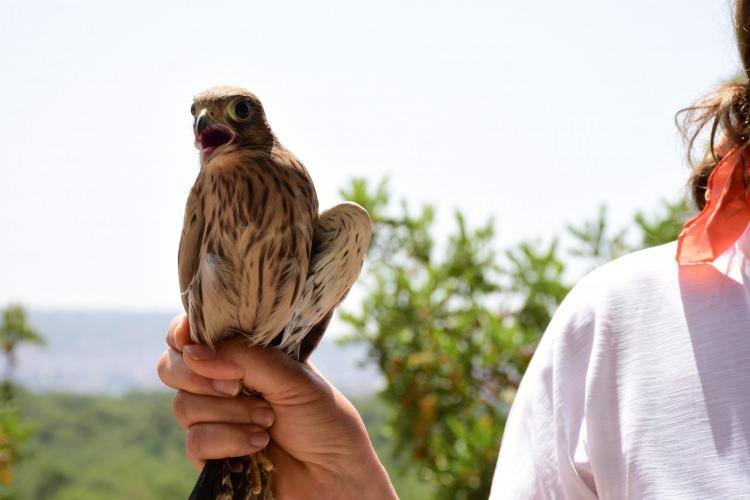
256 260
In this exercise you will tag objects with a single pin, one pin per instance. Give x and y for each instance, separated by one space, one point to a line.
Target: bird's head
228 118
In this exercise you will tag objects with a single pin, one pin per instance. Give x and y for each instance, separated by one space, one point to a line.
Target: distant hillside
116 352
93 447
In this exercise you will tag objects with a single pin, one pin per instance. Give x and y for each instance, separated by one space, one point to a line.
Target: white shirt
640 387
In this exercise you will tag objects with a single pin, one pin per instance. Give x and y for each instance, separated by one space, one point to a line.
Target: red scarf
726 214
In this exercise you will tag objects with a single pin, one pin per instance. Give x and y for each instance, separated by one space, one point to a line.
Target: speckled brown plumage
255 221
256 259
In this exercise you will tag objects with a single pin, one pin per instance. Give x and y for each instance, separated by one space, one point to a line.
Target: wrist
365 477
376 485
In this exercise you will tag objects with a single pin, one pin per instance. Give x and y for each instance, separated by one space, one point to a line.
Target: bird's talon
264 461
254 474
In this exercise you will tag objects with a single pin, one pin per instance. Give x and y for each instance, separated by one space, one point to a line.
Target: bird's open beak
210 134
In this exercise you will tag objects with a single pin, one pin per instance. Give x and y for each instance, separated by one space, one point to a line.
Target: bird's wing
339 247
190 243
312 338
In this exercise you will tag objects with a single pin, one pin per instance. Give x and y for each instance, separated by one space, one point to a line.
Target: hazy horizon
120 350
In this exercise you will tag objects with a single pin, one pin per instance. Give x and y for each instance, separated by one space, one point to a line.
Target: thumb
266 370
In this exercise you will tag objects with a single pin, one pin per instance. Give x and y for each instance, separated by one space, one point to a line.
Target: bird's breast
259 222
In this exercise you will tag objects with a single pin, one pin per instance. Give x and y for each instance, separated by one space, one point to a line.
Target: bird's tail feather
228 479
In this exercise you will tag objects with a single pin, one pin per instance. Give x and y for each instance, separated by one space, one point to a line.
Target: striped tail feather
229 479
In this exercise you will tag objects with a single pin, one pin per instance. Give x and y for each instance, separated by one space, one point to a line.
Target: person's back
639 388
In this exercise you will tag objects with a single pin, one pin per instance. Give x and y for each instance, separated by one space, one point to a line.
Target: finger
197 463
173 324
182 334
268 371
214 440
176 374
205 361
191 409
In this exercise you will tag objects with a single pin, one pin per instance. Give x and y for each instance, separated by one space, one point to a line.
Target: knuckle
175 321
173 324
180 409
194 442
242 443
162 367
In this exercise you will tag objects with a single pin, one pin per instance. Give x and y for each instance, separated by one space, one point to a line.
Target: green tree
663 227
15 330
453 324
14 431
594 242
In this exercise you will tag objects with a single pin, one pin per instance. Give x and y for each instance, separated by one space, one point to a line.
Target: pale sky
534 112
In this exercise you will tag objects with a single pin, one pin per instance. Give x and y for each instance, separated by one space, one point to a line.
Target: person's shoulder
638 269
619 289
626 279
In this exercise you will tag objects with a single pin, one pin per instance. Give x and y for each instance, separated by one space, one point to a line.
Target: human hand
319 445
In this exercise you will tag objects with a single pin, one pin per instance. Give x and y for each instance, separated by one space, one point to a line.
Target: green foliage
594 243
453 325
536 276
14 431
663 227
15 330
92 447
430 319
129 447
408 484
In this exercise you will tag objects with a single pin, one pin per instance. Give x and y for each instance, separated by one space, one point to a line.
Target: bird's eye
192 109
240 110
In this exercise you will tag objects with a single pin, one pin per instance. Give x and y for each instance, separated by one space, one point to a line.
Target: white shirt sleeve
544 451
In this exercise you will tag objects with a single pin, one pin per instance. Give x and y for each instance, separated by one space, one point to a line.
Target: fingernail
264 417
198 352
228 387
259 439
